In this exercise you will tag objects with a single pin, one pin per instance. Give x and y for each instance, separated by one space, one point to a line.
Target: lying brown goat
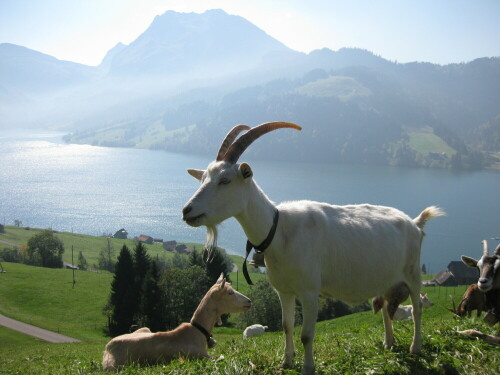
473 299
189 339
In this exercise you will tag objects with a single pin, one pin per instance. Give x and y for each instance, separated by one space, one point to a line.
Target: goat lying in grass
255 330
189 339
405 312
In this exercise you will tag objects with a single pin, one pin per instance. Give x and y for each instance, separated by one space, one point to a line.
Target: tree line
148 292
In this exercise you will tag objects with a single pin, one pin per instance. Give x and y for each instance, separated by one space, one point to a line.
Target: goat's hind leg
310 315
389 331
417 320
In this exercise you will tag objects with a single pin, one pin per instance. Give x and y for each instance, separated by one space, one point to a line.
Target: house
181 248
169 245
463 274
145 239
121 234
158 240
445 278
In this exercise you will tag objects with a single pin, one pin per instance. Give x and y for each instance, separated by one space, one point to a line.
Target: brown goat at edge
473 299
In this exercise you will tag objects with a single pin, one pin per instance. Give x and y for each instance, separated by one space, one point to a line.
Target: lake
46 183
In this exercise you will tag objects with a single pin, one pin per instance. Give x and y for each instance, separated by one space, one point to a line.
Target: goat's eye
224 181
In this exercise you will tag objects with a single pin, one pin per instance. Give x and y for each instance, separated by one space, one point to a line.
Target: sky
436 31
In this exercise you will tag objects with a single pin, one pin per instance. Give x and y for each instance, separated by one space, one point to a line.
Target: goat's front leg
288 319
310 315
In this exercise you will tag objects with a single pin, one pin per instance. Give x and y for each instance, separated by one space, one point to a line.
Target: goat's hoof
388 344
414 349
287 361
307 370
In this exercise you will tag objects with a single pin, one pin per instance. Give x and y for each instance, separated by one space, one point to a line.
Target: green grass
46 298
424 141
348 345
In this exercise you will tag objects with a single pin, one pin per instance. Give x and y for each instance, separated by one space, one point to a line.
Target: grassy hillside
424 141
348 345
90 246
46 298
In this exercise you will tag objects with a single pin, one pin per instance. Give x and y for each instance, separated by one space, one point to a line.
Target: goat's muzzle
188 217
484 284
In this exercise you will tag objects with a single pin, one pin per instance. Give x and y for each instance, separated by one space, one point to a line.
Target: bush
266 308
11 255
45 249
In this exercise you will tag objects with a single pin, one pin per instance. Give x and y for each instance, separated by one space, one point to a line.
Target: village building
169 245
445 278
121 234
463 274
145 239
181 248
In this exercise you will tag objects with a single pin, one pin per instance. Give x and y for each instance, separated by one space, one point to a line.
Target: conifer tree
153 302
195 259
142 262
218 263
122 294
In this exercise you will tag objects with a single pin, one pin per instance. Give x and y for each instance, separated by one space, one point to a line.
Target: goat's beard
210 242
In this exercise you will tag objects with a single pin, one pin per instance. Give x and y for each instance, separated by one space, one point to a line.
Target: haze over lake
94 190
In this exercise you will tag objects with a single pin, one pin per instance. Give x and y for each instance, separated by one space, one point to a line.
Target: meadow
347 345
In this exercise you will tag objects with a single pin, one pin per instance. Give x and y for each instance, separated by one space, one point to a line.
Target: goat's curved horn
497 251
485 248
228 141
237 148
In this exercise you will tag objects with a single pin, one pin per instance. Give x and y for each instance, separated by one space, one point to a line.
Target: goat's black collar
262 247
200 328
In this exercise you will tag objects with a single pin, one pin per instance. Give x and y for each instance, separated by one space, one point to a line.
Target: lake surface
46 183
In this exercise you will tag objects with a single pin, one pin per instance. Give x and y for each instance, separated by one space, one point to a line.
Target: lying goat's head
224 184
227 299
489 268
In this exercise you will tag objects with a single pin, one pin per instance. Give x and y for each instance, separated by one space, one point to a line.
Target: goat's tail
427 214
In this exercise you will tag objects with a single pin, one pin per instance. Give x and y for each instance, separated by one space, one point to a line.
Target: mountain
199 44
28 71
190 77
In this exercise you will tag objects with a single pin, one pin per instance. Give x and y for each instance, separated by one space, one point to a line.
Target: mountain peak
213 40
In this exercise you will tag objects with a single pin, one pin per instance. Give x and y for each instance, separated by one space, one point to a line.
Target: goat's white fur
350 253
405 312
255 330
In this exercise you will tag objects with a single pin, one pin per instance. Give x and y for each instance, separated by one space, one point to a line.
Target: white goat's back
348 252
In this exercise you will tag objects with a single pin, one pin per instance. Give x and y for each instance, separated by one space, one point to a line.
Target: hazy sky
438 31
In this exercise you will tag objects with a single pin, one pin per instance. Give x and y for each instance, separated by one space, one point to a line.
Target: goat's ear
470 262
196 173
221 281
245 170
221 278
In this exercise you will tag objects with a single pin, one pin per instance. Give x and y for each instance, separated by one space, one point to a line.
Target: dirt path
37 332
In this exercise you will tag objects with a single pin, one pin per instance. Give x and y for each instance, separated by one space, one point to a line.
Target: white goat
189 339
255 330
350 253
405 312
